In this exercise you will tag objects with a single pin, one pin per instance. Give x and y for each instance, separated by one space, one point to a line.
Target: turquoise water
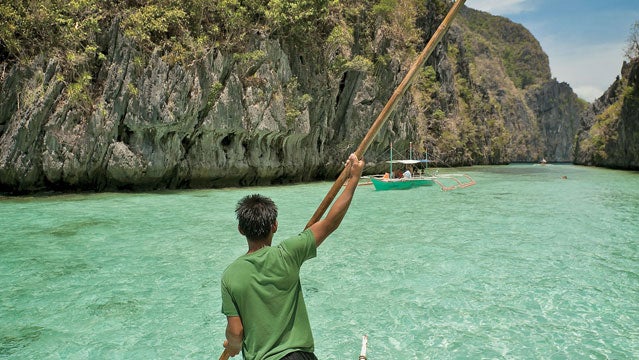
523 265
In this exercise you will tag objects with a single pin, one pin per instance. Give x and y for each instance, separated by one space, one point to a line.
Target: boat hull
400 184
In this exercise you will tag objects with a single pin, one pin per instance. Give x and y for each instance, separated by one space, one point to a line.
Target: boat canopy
407 162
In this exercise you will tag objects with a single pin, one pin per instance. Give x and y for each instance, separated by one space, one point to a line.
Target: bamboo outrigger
459 184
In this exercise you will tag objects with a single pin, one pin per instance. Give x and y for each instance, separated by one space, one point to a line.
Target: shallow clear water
524 264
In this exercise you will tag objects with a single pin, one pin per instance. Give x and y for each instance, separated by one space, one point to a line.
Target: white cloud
501 7
589 69
589 92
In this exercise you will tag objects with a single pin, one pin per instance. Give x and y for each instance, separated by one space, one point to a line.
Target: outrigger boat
388 181
408 180
399 180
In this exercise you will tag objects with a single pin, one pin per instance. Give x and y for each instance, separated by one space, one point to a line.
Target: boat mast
391 161
426 152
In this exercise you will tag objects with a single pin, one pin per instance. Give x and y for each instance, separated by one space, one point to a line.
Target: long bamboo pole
386 111
383 116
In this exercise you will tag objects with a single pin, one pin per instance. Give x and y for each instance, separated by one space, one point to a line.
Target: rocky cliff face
277 116
510 110
150 125
610 136
559 113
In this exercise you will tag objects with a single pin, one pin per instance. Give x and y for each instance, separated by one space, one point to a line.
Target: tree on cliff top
632 46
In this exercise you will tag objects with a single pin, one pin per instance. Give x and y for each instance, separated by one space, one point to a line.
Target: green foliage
604 133
32 27
294 108
249 62
450 142
250 57
152 24
340 36
359 63
632 44
183 28
79 92
427 80
515 60
604 130
340 39
295 16
10 43
216 90
233 19
214 93
399 22
384 8
494 36
132 89
296 104
340 64
453 52
64 30
463 89
439 114
69 31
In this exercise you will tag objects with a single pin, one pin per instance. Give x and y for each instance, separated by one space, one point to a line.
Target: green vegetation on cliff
181 28
166 93
184 30
613 138
524 60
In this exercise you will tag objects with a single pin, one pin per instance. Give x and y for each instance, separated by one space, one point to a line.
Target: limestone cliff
610 137
518 113
283 114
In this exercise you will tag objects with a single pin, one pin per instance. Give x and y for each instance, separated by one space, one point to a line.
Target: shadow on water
115 307
71 229
16 339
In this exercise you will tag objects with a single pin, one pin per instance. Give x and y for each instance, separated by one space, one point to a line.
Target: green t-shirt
263 288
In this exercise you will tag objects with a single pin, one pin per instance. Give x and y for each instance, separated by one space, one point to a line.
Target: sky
585 39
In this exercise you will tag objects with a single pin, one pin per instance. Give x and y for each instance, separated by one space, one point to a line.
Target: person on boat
398 174
407 174
261 290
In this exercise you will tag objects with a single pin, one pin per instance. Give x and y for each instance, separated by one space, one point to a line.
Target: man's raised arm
333 219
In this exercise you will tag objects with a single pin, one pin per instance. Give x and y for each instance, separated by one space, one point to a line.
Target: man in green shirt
261 290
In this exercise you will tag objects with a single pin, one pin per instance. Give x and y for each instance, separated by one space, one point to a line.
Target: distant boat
542 162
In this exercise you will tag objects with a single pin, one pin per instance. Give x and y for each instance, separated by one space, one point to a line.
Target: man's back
264 290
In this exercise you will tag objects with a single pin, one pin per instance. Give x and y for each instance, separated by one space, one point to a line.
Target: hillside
610 138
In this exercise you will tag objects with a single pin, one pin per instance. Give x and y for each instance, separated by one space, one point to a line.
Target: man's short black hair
256 214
